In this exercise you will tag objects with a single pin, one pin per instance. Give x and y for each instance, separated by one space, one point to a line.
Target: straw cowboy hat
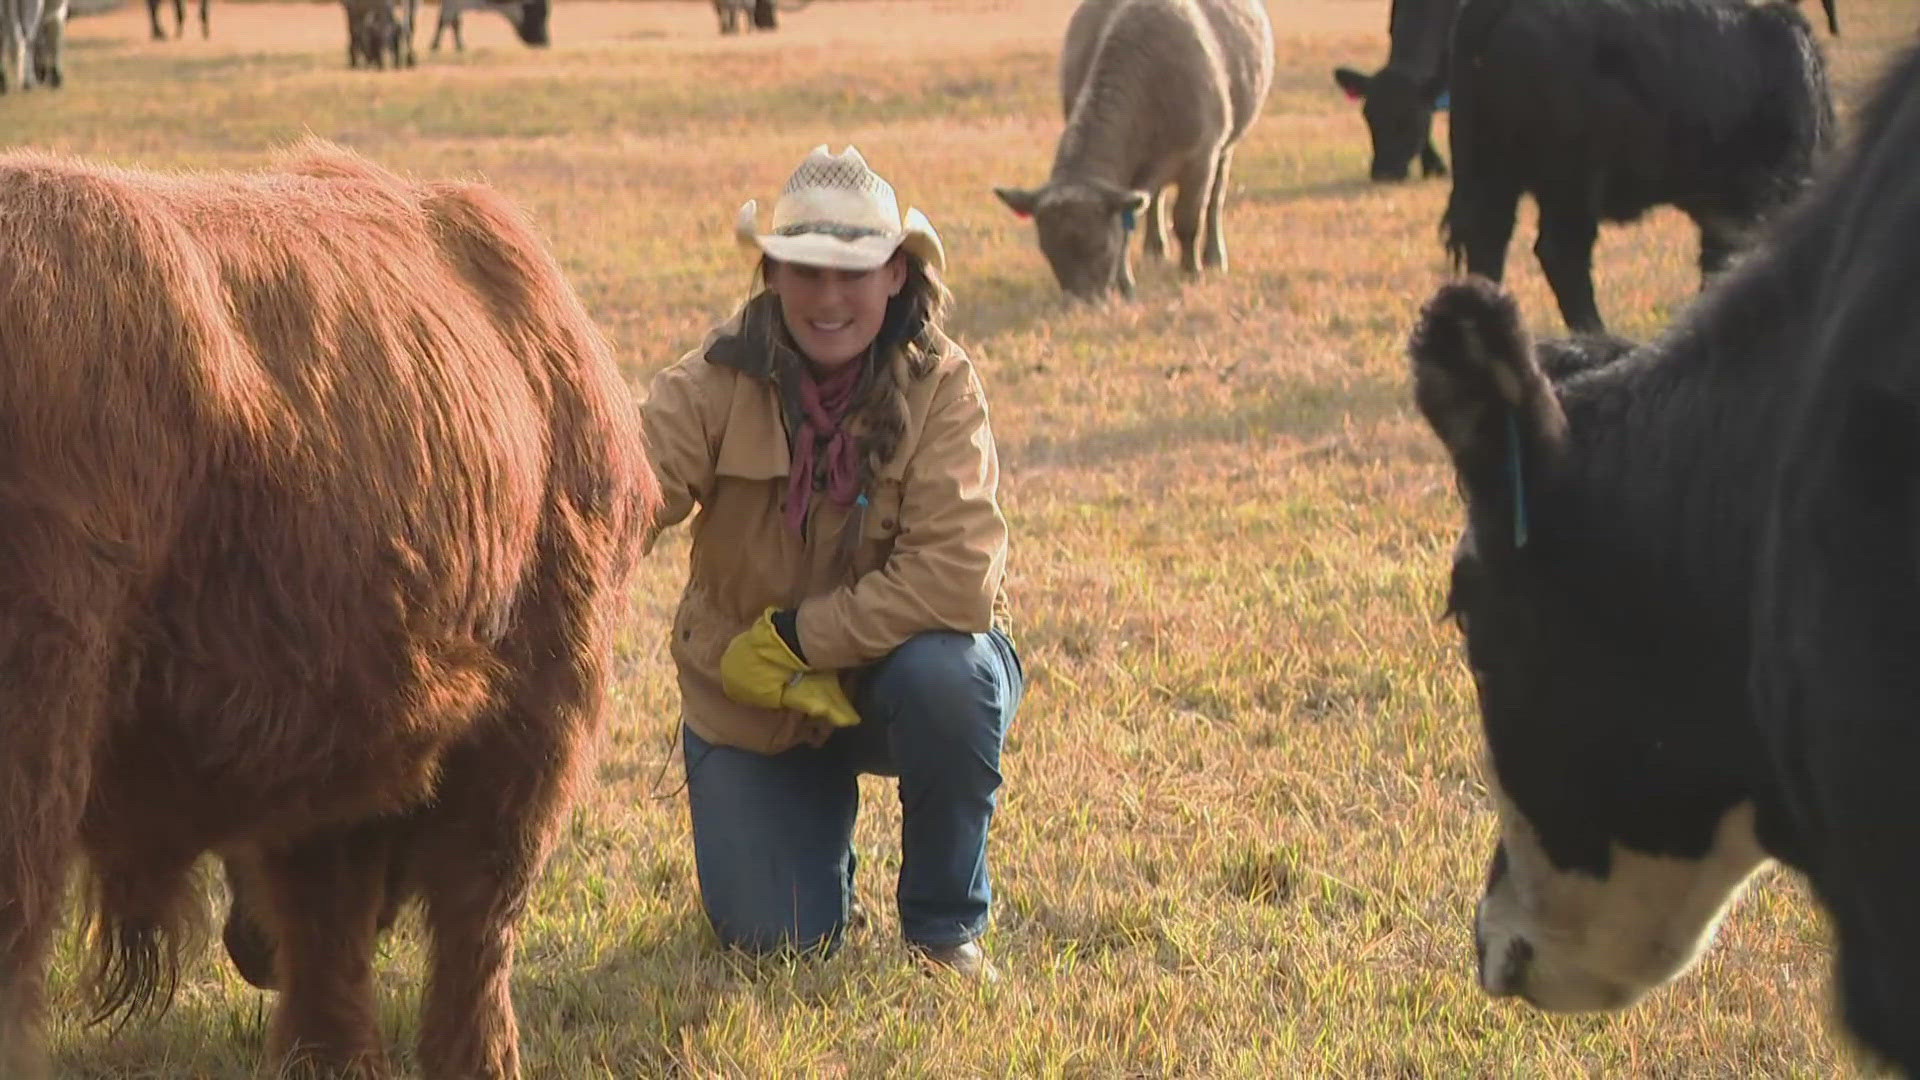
837 213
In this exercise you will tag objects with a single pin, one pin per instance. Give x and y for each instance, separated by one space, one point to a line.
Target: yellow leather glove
759 669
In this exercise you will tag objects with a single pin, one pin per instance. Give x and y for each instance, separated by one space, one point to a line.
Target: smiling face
834 315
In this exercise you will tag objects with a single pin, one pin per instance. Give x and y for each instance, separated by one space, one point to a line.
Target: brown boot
967 959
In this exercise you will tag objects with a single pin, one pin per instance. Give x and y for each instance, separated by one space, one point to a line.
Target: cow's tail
1470 29
142 921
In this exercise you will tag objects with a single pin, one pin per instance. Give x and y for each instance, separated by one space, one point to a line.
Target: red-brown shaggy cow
318 491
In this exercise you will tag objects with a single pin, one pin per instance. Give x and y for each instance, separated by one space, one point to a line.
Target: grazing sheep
1157 93
32 33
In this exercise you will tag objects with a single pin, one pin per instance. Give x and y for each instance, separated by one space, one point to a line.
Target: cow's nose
1509 976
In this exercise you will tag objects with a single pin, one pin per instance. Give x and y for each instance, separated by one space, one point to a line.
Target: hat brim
834 253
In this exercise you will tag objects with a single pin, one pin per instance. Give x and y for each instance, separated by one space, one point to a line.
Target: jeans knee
943 686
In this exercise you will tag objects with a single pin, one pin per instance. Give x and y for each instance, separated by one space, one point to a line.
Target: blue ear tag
1441 103
1518 476
861 501
1126 219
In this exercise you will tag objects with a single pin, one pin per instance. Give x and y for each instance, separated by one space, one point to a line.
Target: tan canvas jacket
927 552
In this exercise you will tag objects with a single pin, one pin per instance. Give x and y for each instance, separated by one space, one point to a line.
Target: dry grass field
1243 826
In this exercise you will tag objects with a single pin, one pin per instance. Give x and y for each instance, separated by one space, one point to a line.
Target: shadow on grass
1309 410
643 1005
1319 189
1004 305
204 1039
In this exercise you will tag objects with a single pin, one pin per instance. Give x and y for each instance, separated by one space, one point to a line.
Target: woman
843 613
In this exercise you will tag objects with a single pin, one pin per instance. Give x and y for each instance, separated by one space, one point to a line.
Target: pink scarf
824 404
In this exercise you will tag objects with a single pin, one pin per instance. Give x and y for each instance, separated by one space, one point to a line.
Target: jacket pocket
879 527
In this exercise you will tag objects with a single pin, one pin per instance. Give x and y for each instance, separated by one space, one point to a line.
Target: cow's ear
1020 200
1477 383
1353 82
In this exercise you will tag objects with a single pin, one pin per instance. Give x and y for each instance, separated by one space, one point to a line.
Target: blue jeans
772 834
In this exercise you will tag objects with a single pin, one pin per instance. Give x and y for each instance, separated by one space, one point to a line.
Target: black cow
1604 109
1690 591
1400 98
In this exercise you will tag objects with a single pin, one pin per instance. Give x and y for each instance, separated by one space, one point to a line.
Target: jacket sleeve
682 417
949 556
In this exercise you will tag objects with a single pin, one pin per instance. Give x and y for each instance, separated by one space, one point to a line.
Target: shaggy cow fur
320 490
1604 109
1169 87
1691 598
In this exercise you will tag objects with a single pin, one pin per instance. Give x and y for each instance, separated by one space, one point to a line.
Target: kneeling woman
843 612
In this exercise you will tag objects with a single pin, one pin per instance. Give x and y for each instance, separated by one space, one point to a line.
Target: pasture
1243 826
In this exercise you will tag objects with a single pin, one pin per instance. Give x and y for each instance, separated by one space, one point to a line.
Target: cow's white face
1568 941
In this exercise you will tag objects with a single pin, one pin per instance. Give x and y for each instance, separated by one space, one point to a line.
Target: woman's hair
905 351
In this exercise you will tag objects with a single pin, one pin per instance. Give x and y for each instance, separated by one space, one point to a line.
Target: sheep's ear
1122 200
1353 82
1476 381
1020 200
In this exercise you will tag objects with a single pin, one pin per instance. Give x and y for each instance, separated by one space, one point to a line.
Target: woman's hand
760 669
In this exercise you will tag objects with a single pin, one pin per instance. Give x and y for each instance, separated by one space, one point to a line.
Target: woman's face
834 315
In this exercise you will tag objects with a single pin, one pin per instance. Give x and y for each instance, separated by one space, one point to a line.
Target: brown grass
1243 828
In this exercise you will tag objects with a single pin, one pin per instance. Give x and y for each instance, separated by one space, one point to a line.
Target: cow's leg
1154 247
323 898
1565 251
179 18
459 39
412 16
206 28
56 652
1190 207
1479 225
49 60
1431 163
479 848
1215 255
153 17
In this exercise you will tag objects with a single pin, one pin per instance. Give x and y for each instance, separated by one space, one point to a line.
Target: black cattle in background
1690 591
1604 109
1398 101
